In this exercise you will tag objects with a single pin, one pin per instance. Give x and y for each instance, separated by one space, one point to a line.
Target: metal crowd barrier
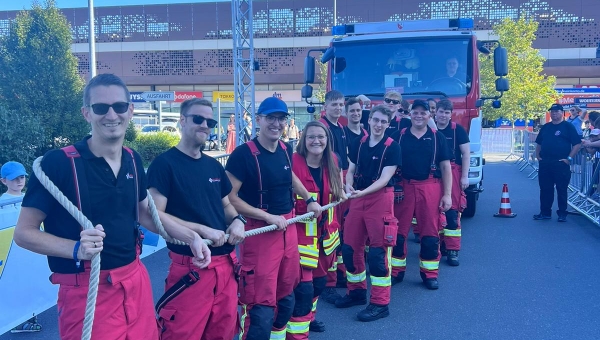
584 191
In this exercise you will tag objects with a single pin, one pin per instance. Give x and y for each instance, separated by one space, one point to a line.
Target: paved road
518 279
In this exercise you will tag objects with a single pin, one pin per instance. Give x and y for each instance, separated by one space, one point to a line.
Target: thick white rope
90 306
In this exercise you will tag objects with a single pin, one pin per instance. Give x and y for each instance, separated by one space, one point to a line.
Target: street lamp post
334 12
92 40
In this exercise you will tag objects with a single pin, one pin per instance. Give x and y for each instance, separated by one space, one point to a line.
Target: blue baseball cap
272 105
421 103
12 170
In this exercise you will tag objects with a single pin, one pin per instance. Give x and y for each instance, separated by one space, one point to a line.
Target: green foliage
150 145
322 79
531 91
38 76
19 137
131 132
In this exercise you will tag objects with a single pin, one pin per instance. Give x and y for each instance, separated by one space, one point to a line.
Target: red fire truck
421 59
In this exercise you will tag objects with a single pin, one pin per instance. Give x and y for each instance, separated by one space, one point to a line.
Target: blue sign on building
136 97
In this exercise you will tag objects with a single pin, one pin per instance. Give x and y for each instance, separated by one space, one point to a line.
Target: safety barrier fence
584 194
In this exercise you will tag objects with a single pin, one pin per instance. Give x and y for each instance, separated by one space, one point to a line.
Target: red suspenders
255 152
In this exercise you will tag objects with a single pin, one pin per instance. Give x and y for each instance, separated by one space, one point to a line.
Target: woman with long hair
315 164
230 144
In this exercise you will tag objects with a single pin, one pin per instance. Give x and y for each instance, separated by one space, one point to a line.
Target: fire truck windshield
407 66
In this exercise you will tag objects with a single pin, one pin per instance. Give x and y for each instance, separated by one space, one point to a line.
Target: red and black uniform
353 136
194 189
340 143
269 262
371 218
455 137
397 124
422 192
124 308
317 241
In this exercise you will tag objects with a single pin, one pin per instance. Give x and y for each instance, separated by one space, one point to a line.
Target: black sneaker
431 284
397 279
541 217
562 218
373 312
330 295
349 301
452 259
317 326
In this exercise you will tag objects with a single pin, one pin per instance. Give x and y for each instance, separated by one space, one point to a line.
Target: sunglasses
393 101
102 109
198 120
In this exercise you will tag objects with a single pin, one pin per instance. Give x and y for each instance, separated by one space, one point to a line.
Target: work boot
452 258
317 326
431 284
330 295
398 278
348 301
541 216
417 238
562 216
373 312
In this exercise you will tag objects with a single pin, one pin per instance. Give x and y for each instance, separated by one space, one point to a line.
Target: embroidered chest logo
214 180
129 176
286 167
557 133
375 157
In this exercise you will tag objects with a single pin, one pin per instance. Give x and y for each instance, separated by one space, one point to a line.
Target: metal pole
160 115
92 40
334 12
219 124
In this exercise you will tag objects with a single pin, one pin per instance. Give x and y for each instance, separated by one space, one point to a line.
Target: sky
9 5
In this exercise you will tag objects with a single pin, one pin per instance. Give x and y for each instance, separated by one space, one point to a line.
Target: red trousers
422 200
270 269
298 326
124 308
206 309
370 217
452 231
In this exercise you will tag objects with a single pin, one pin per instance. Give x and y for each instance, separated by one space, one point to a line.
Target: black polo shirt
418 154
454 144
276 176
340 142
352 136
106 200
194 189
556 141
369 166
397 124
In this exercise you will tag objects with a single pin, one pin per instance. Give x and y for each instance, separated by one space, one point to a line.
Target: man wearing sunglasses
108 184
393 102
191 188
263 187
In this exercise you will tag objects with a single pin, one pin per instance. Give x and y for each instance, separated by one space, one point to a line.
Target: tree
38 76
322 89
19 137
531 91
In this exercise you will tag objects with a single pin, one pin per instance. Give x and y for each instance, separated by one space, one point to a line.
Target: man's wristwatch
310 200
241 218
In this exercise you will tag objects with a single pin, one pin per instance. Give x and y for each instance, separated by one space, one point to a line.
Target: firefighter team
403 168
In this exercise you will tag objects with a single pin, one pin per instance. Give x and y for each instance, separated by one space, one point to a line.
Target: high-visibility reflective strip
296 327
356 278
309 251
330 211
414 220
243 319
314 307
278 335
312 194
330 244
429 265
452 233
398 262
333 267
504 205
340 259
309 262
385 281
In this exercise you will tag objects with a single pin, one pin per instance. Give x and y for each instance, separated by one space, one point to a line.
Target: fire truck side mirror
500 61
309 70
502 84
307 91
479 103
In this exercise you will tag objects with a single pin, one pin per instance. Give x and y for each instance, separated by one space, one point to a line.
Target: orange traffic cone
505 210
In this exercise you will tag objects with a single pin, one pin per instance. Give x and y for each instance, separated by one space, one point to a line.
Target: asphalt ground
518 279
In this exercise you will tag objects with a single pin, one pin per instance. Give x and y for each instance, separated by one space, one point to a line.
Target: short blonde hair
393 95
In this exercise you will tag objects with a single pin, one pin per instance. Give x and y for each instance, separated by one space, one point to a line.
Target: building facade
187 47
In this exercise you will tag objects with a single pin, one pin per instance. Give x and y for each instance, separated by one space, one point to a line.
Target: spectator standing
575 119
230 144
292 130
